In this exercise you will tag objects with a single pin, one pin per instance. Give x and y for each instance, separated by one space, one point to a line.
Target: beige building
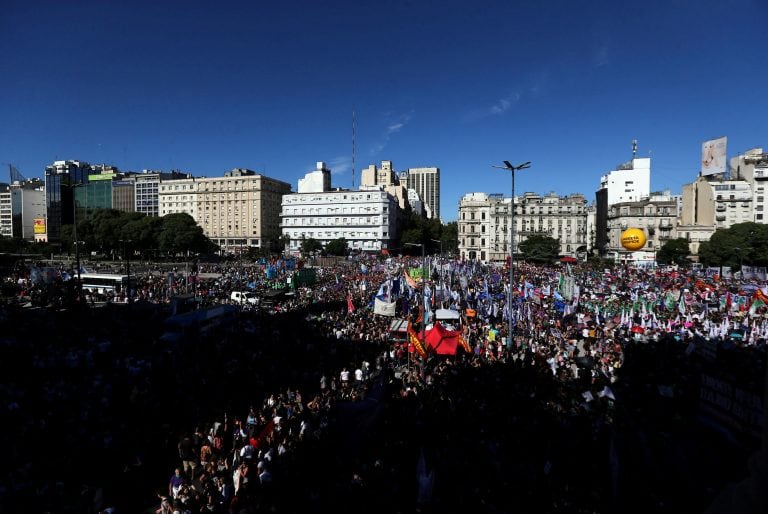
655 215
752 166
713 202
484 231
236 211
178 196
386 179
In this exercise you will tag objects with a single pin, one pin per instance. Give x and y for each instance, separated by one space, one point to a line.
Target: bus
104 283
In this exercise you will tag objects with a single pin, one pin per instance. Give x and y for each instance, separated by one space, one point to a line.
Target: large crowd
314 403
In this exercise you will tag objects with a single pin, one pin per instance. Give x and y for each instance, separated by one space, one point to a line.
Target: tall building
236 211
28 209
384 176
629 182
6 216
426 182
752 167
483 224
61 180
386 179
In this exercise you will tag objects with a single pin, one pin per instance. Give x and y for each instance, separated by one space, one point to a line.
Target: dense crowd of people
314 402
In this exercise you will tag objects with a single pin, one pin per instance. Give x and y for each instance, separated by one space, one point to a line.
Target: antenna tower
353 149
634 148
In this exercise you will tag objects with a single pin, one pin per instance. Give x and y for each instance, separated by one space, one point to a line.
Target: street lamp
441 256
423 285
509 167
74 236
127 253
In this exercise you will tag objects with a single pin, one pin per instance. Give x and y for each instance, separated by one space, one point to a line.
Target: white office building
366 219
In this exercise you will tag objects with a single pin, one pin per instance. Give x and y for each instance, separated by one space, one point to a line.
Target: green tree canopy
310 245
674 251
336 247
540 248
743 243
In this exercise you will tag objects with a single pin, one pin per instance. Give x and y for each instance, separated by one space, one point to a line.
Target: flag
756 304
464 344
384 308
414 341
350 304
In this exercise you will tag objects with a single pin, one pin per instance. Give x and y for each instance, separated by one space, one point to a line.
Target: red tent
442 341
568 258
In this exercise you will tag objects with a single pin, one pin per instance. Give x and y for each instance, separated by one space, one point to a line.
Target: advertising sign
38 226
713 156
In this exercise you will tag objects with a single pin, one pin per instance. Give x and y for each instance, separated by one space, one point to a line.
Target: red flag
415 342
350 305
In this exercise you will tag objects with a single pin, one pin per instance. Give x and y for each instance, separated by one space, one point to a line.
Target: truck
243 297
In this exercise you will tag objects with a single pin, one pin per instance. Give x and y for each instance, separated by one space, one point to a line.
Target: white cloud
340 165
393 127
504 104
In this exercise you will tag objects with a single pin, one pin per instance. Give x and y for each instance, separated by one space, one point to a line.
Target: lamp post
423 284
441 258
74 237
127 253
509 167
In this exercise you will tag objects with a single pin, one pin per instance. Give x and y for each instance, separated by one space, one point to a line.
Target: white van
244 297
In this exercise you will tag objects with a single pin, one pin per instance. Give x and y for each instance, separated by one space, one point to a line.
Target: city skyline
273 87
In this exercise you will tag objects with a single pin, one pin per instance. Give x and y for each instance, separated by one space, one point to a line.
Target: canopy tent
442 341
568 258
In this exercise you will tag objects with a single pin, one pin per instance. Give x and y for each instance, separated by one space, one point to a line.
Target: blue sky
271 86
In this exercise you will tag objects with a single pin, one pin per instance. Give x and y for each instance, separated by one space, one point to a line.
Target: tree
450 238
742 243
180 234
674 251
336 247
284 242
309 246
539 248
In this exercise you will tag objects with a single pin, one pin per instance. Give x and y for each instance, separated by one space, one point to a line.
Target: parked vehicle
242 297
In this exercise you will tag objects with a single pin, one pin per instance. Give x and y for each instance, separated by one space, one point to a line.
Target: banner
39 226
753 273
384 308
416 272
713 156
739 409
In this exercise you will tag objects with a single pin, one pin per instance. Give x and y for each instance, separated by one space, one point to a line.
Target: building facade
28 210
484 229
62 178
426 182
752 167
316 181
655 215
241 209
6 212
366 219
629 182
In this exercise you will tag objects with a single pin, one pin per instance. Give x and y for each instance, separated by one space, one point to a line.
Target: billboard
38 226
713 156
